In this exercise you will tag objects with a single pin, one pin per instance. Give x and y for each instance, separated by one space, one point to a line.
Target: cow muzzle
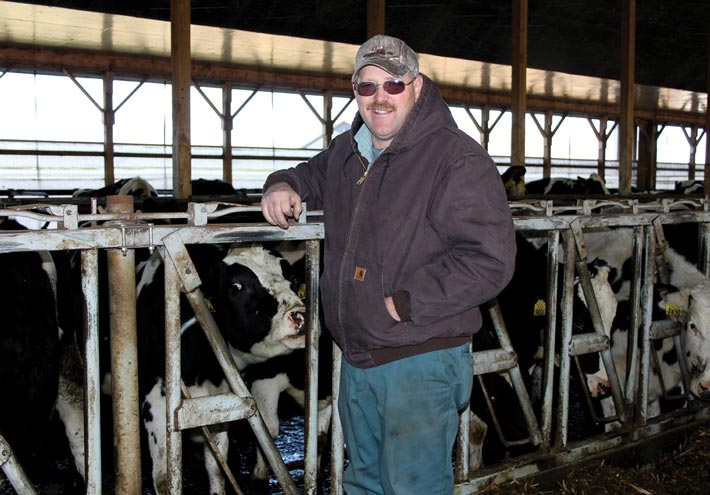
298 320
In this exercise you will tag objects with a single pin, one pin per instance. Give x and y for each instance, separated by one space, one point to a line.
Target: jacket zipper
367 169
342 275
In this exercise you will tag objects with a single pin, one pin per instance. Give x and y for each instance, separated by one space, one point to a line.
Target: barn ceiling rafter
40 37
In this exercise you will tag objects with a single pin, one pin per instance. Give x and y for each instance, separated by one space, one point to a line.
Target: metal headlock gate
565 225
121 232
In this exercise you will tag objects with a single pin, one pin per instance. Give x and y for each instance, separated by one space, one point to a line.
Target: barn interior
573 52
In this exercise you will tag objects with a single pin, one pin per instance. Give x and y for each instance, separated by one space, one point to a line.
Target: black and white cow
514 181
689 187
29 352
257 312
524 308
687 296
594 185
216 187
134 186
277 380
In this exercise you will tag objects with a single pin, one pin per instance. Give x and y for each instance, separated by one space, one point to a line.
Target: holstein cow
257 313
216 187
689 187
524 309
594 185
688 293
286 375
255 309
29 352
134 186
514 181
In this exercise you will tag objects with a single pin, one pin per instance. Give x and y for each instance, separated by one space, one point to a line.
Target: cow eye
693 328
237 286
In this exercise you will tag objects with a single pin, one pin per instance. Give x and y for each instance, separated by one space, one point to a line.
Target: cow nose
704 391
604 390
299 320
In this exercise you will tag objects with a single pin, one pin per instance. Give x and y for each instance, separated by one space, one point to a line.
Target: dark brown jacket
429 225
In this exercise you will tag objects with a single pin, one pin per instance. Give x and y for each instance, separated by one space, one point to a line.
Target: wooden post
181 84
626 121
328 116
227 126
706 175
519 81
647 156
109 120
375 17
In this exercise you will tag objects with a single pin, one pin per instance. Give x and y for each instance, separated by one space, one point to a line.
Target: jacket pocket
365 317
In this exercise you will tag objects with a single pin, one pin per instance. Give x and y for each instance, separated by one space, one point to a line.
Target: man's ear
418 85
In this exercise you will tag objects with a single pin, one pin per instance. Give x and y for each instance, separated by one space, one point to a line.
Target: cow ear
673 301
664 290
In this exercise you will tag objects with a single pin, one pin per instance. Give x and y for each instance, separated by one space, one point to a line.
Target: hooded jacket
427 223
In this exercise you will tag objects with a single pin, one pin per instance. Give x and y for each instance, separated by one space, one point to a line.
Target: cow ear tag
302 292
674 310
360 273
209 305
540 308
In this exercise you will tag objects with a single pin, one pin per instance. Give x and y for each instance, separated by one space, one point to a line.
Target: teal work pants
400 421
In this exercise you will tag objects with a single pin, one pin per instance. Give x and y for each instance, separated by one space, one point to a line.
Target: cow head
692 307
255 306
592 364
514 181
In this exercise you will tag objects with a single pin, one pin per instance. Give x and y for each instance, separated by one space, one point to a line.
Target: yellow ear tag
209 305
302 292
540 308
674 310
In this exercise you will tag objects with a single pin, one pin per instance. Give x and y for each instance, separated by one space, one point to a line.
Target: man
418 234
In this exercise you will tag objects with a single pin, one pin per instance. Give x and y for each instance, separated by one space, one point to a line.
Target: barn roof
573 45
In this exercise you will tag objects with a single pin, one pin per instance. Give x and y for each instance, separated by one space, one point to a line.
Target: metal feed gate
553 448
121 232
562 227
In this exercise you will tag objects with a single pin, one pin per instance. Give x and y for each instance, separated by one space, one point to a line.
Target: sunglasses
392 87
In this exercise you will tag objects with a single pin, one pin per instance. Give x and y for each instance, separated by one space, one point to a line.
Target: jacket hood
428 115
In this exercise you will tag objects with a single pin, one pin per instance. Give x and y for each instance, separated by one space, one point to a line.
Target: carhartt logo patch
360 273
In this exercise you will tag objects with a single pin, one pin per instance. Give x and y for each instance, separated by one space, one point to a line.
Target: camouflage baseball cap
387 53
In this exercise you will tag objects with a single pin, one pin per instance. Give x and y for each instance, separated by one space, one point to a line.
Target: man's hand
389 303
279 203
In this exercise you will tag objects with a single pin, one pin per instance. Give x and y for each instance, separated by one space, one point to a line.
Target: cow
257 313
135 186
689 187
580 186
688 291
29 352
523 303
216 187
285 375
514 181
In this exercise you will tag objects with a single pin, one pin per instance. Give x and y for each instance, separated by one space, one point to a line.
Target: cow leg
608 410
70 406
266 393
214 470
325 413
477 434
154 424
